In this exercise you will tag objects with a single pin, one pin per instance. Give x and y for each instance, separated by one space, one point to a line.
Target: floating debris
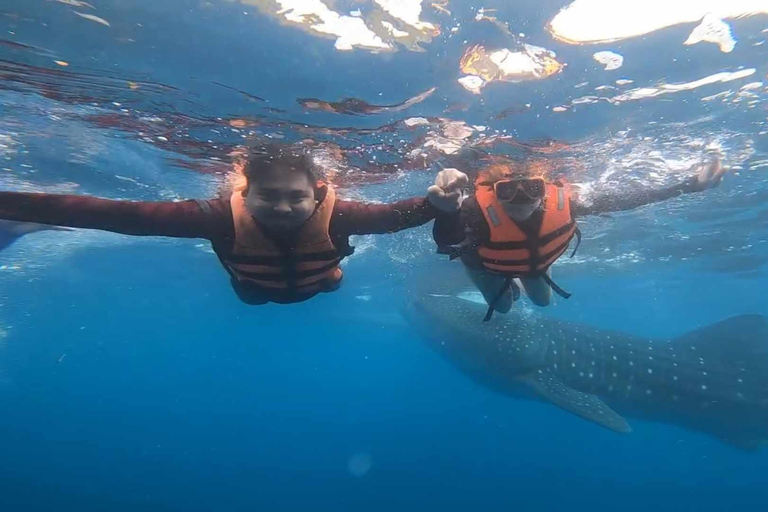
585 100
472 83
246 94
407 11
240 123
451 139
609 59
380 26
457 130
356 106
531 63
28 48
503 26
650 92
600 21
664 89
75 3
416 121
721 95
93 18
61 63
713 30
394 31
441 7
350 31
752 86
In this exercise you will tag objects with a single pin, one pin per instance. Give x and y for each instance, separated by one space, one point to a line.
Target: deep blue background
131 378
173 396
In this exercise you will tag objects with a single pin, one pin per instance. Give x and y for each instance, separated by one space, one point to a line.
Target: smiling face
282 198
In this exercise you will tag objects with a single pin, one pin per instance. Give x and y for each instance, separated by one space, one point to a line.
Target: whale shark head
451 323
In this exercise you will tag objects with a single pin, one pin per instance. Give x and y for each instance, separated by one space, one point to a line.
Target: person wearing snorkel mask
517 224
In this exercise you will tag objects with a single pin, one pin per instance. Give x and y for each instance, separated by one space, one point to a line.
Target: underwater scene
291 255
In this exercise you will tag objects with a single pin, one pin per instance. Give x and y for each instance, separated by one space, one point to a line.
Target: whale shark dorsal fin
589 407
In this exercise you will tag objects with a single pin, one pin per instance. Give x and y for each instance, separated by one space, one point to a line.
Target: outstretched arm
354 218
710 174
184 219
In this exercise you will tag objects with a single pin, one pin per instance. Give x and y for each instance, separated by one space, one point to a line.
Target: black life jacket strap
509 283
564 294
515 291
577 232
456 251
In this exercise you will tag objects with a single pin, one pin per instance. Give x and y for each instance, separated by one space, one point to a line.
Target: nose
282 207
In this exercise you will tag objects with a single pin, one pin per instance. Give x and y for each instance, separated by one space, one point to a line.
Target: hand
447 193
710 175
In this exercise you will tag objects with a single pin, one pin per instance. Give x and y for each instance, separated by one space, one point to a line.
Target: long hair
500 168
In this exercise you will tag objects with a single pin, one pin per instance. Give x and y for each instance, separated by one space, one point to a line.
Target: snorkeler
280 236
517 225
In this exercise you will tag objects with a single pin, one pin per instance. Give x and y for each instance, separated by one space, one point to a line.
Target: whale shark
11 231
712 380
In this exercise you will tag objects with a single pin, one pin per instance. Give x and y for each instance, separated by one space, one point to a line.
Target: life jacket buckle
457 250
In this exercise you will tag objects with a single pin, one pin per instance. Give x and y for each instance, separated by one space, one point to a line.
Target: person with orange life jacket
517 226
280 235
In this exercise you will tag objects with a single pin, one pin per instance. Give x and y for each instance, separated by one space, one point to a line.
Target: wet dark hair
263 160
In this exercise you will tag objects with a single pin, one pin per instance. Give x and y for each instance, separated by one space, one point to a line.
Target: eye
297 197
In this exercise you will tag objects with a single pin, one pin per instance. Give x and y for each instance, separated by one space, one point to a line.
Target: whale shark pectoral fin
589 407
11 231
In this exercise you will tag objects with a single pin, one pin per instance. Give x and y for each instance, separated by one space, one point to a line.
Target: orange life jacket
310 266
510 250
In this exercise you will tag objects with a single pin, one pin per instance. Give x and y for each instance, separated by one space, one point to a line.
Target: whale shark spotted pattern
713 380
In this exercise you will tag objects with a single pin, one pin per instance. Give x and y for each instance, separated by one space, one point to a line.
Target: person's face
520 210
282 199
520 198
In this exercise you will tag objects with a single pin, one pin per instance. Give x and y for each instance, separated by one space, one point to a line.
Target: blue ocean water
131 377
